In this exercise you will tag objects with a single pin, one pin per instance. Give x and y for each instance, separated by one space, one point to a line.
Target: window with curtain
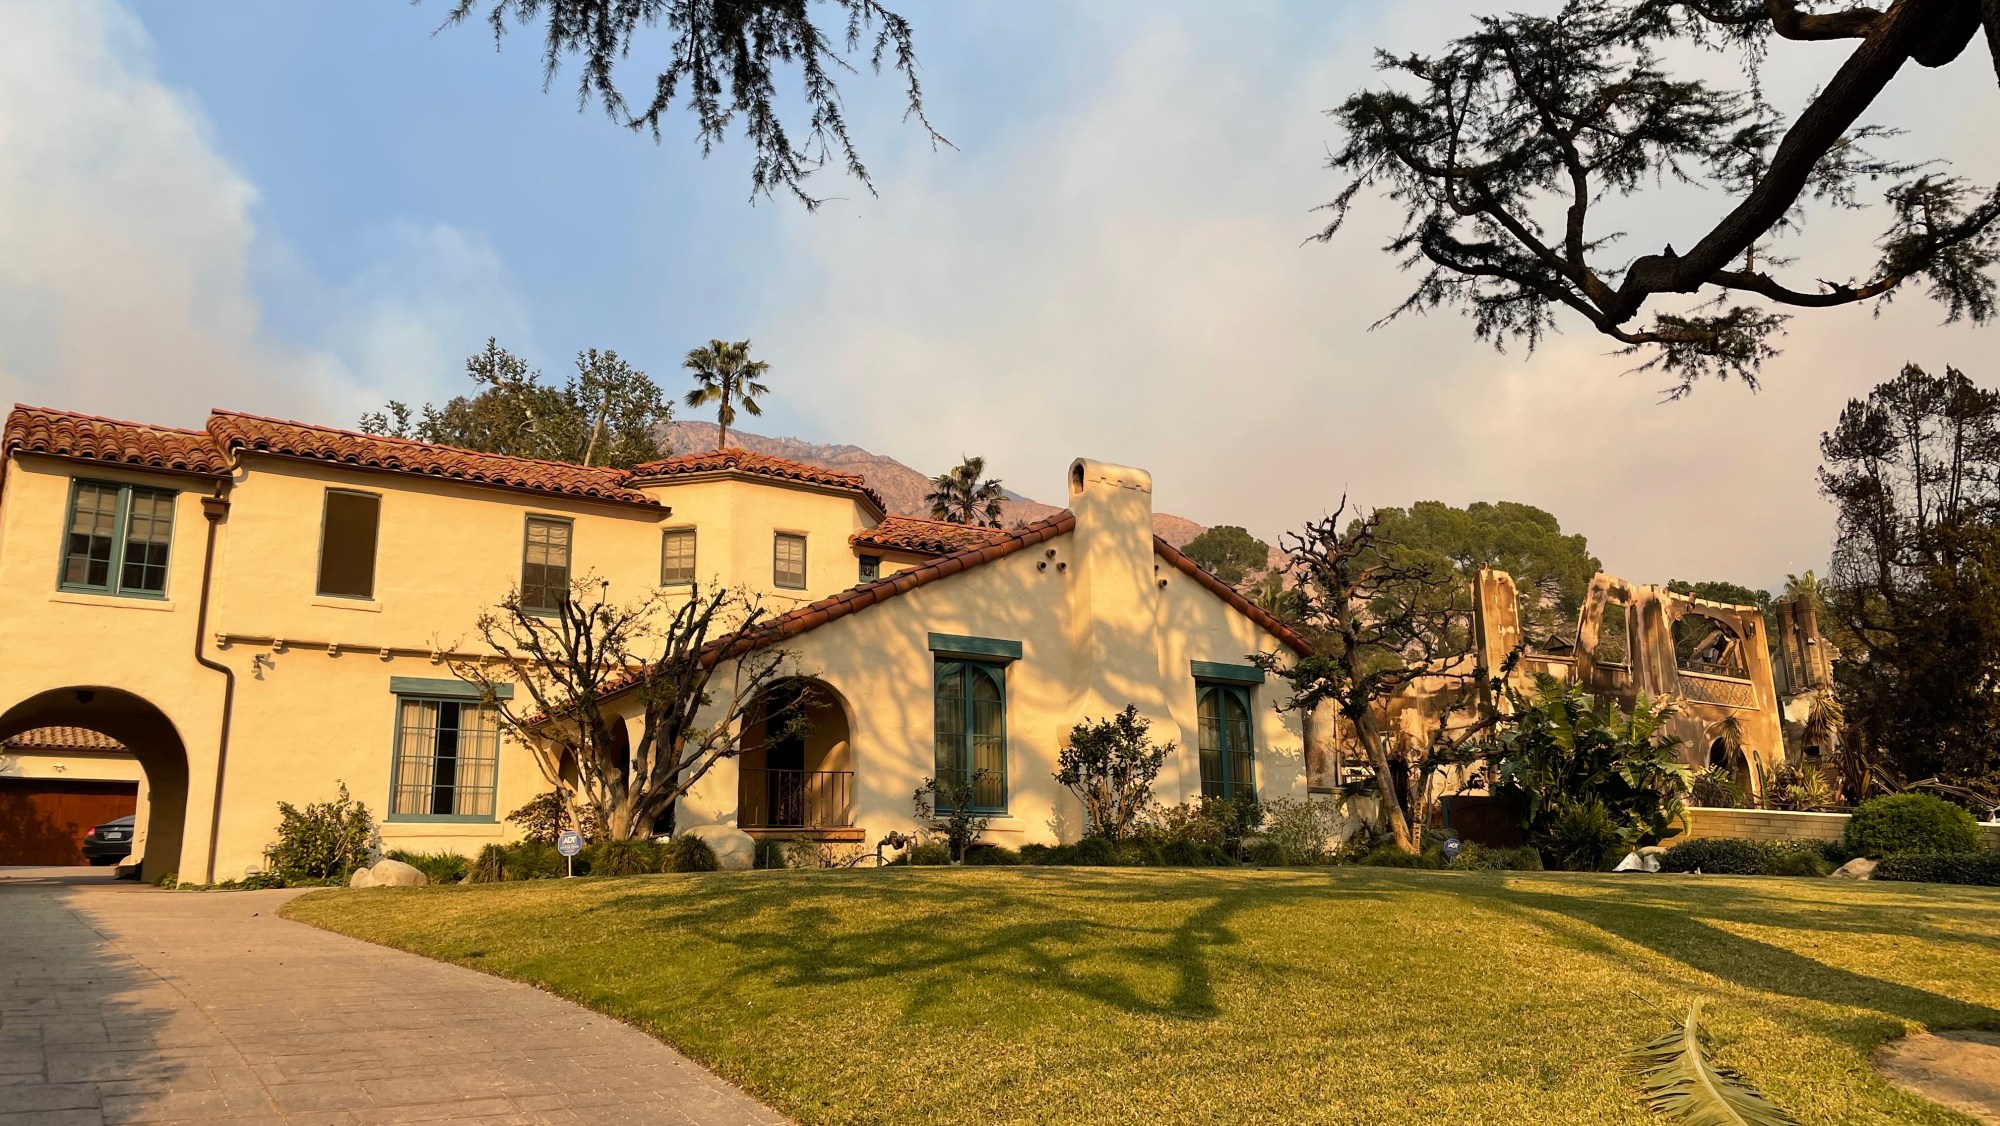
545 564
117 539
677 557
1223 714
788 561
971 701
348 530
447 759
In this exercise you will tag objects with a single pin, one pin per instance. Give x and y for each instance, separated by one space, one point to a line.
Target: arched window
1226 759
972 731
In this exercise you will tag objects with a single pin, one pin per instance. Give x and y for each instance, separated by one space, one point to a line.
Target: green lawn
1149 996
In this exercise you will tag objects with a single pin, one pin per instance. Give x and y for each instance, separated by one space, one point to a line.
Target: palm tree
959 496
1807 588
726 374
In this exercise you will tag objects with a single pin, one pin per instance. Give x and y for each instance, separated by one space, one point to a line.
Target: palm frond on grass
1678 1079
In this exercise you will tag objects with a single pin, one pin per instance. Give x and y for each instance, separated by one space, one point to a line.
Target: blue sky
305 208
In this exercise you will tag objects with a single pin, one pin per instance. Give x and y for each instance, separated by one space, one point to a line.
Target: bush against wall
543 818
438 867
1110 765
1727 856
944 808
1302 830
323 841
1978 868
1910 823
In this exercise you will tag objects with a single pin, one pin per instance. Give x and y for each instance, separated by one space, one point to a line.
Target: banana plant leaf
1678 1079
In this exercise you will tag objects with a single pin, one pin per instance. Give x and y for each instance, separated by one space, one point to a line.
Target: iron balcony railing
796 799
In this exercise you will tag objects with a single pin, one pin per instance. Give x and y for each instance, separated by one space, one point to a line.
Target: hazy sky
306 208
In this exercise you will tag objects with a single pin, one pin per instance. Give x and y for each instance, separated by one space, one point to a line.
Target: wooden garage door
43 820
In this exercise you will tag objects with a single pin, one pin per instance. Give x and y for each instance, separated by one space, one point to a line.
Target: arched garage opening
151 738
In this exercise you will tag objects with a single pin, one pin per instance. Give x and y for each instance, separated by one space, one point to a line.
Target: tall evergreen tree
964 495
725 374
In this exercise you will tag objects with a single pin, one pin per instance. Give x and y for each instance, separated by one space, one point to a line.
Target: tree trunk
1989 13
722 421
1390 805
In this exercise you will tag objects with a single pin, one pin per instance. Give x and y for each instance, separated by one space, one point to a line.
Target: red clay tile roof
736 460
255 434
86 437
925 537
62 739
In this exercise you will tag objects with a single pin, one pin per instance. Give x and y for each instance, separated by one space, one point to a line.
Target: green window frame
871 568
117 539
677 555
788 561
1227 740
447 760
545 560
971 717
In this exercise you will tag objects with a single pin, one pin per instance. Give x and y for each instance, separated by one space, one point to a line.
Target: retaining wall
1781 825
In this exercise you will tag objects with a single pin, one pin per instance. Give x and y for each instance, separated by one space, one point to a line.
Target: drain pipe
215 509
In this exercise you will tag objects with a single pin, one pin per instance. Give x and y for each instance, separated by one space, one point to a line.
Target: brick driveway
125 1004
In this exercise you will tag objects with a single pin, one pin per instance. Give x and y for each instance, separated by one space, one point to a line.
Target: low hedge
1897 823
1978 868
1727 856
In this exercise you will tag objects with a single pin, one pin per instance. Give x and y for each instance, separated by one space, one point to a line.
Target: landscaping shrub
770 854
1109 765
1302 830
1041 854
1979 868
1389 856
688 854
1725 856
1265 853
1095 851
324 841
1479 858
986 854
437 867
522 860
930 853
489 867
1192 854
1910 823
619 858
1582 839
542 818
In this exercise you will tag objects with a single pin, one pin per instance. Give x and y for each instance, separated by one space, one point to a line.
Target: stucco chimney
1113 600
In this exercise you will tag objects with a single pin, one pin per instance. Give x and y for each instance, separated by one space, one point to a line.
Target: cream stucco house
260 610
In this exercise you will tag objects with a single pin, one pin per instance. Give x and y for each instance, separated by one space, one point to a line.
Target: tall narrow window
677 557
347 535
545 564
971 699
788 561
117 539
1223 712
447 759
871 568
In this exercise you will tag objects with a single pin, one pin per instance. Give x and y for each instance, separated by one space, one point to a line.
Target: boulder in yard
1859 868
396 874
362 878
733 848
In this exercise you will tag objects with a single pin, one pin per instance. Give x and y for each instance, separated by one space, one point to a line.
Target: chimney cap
1083 473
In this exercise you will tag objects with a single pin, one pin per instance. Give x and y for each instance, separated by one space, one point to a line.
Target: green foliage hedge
1910 823
1727 856
437 867
539 860
1979 868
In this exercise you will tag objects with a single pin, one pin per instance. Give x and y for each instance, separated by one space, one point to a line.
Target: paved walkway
121 1003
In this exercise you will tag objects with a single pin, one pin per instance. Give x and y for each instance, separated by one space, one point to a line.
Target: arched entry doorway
147 733
797 769
1724 752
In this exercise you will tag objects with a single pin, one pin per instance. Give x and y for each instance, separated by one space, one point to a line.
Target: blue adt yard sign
1451 848
569 844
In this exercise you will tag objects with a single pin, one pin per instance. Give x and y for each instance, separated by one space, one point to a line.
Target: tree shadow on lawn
1675 929
1095 936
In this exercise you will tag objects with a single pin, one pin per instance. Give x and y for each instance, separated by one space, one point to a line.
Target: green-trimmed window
545 564
677 557
972 730
447 760
788 561
117 540
871 568
1227 767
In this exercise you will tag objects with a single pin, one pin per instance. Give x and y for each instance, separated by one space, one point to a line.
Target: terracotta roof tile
255 434
737 460
925 537
62 739
85 437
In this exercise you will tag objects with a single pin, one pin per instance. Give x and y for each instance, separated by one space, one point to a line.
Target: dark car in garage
110 842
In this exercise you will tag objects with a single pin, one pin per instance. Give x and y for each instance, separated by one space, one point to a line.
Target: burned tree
1503 150
695 664
1380 620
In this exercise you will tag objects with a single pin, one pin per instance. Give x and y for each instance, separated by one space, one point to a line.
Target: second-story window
788 561
545 564
677 557
117 539
348 531
871 568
